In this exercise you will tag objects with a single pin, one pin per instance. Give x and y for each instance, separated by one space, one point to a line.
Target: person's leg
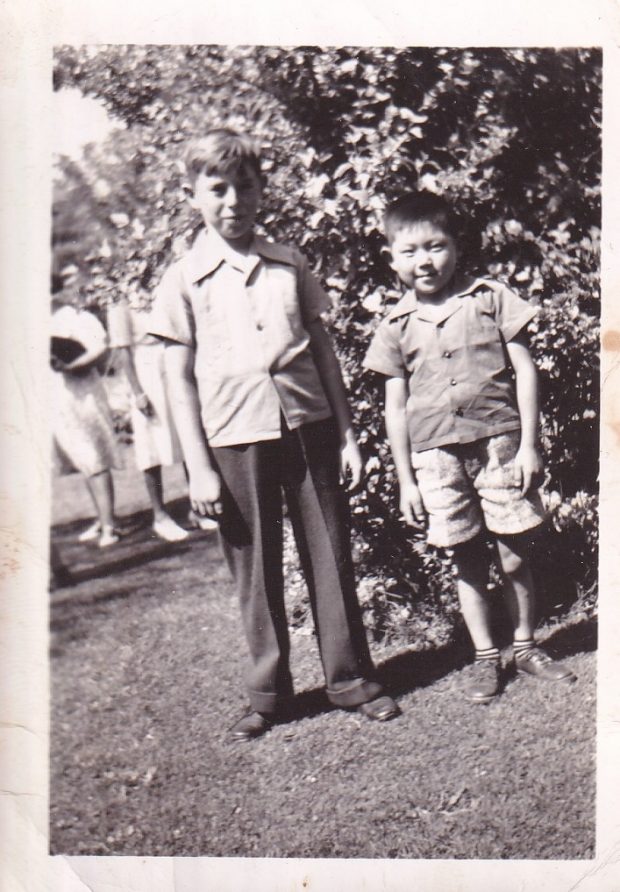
163 525
318 509
195 521
101 491
519 595
513 552
251 531
154 488
472 567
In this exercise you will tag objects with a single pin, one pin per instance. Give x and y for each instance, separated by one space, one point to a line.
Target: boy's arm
328 368
398 435
528 460
204 481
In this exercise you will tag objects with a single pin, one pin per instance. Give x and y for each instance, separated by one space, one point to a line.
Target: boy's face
424 257
229 202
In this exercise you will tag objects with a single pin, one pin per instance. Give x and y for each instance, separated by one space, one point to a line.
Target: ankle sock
522 648
487 655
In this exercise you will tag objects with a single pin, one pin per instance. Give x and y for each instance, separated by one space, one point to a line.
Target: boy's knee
511 556
471 559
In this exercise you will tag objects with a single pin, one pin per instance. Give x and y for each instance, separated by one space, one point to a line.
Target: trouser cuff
355 692
269 703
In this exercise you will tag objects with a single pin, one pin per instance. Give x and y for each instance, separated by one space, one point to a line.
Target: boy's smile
424 257
229 202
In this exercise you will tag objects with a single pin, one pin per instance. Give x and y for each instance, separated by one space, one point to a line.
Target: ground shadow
82 562
576 638
415 669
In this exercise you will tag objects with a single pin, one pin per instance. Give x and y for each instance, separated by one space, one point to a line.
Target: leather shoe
381 709
250 726
539 664
483 683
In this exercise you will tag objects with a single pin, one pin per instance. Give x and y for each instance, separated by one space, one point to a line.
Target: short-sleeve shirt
128 326
245 318
454 359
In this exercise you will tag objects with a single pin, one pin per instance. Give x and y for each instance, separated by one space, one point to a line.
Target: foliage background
511 135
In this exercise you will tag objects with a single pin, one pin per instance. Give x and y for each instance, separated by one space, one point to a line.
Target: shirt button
259 326
447 354
452 382
458 412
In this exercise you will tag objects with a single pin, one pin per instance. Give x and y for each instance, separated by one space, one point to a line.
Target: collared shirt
460 384
246 319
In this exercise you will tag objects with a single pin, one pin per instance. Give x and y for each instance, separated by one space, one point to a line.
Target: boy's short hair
219 151
421 207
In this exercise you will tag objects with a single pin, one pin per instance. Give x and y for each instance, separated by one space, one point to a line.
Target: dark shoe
249 726
538 663
484 681
381 709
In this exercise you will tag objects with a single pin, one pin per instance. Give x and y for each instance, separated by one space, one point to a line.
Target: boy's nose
231 197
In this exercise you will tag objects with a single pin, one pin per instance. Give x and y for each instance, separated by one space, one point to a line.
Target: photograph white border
30 31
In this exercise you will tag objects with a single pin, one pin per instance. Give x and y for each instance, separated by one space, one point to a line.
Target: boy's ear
386 253
188 194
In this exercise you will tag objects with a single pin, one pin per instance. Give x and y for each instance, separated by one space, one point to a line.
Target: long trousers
304 465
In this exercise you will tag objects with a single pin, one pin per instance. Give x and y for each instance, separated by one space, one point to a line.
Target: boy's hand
350 464
529 471
411 505
205 492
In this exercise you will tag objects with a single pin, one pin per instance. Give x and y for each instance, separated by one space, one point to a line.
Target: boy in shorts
462 420
261 409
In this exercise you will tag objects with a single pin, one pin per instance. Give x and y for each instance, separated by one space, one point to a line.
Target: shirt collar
210 251
409 303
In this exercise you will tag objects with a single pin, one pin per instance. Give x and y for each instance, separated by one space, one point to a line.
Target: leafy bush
511 136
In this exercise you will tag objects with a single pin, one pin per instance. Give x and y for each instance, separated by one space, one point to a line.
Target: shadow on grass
82 562
412 670
581 637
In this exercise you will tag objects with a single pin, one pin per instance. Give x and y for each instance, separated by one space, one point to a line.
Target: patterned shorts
466 487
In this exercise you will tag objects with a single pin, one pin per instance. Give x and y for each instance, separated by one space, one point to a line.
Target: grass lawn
147 659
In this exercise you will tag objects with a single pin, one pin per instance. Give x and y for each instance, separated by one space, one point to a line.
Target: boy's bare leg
520 600
519 592
472 565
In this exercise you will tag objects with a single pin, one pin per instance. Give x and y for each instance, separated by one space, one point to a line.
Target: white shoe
201 523
167 529
109 536
91 532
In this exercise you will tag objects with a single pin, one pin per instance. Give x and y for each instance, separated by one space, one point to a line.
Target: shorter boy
461 414
261 409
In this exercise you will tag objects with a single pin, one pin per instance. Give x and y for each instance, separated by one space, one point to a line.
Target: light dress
82 427
155 438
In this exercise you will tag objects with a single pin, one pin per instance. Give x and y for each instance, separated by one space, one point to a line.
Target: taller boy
260 409
462 429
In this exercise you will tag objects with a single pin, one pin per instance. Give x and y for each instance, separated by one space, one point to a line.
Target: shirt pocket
486 354
284 301
213 339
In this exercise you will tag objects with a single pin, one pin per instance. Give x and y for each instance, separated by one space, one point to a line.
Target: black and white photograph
318 547
322 560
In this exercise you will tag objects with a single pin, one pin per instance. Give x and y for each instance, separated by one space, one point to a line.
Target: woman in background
154 434
82 427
